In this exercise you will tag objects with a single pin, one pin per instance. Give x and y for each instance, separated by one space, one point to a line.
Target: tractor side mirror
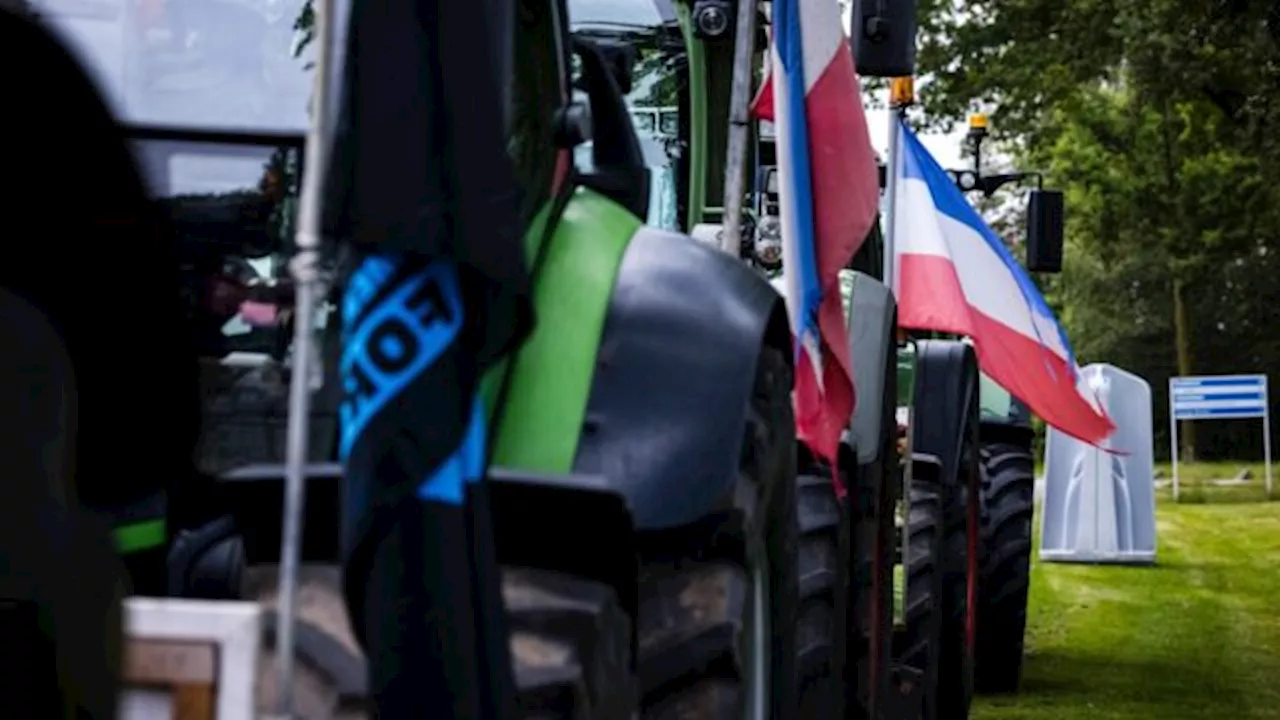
620 59
883 37
1044 231
619 171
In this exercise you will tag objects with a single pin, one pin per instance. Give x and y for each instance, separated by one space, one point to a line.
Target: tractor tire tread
1008 487
695 602
818 641
924 538
570 646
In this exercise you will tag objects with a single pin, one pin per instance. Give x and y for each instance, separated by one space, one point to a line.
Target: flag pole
901 94
735 170
305 269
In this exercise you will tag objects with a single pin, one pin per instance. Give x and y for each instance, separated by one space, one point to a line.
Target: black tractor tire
955 659
946 426
961 542
872 539
1008 487
821 635
696 609
919 644
571 647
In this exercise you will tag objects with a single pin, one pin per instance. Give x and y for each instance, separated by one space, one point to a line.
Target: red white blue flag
955 275
828 191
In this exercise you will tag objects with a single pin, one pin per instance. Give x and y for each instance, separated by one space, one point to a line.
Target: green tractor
668 548
923 514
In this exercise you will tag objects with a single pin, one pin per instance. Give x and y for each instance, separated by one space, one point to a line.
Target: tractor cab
645 50
213 101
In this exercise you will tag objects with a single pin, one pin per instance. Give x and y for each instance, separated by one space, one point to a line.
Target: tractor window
622 13
232 208
656 82
215 64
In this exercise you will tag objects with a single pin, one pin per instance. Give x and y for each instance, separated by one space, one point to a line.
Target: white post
1266 433
890 195
1173 440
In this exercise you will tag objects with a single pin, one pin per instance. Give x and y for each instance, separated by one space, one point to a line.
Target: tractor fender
527 509
524 507
946 384
668 403
872 326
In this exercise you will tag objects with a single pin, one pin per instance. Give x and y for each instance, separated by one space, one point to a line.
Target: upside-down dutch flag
829 190
955 275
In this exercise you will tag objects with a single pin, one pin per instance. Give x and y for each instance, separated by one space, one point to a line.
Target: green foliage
1157 119
304 27
656 78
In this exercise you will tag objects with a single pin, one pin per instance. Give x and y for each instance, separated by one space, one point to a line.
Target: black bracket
970 181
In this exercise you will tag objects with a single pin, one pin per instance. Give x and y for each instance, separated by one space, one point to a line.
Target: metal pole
1266 433
889 231
891 194
305 268
735 167
1173 441
977 157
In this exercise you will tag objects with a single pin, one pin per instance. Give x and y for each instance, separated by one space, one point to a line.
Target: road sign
1219 397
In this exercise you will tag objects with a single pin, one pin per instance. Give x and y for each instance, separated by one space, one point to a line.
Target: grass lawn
1197 636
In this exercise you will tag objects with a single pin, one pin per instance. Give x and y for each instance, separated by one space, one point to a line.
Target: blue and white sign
1219 397
1230 397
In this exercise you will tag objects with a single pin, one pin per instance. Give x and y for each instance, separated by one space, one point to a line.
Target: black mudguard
873 321
525 509
526 512
529 528
677 360
946 387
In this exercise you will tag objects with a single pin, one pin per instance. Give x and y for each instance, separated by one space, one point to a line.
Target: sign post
1219 397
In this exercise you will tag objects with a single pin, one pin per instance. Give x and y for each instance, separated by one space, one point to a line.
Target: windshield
650 27
621 13
213 64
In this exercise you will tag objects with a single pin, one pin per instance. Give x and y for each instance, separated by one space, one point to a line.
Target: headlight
711 18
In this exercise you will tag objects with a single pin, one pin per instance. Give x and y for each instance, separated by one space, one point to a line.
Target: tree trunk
1182 345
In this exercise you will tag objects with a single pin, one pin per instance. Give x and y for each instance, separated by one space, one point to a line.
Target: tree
1156 117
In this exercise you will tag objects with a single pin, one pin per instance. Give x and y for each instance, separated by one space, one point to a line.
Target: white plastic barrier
1099 506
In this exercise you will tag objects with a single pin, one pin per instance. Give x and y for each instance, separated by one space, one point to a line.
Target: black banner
421 185
421 587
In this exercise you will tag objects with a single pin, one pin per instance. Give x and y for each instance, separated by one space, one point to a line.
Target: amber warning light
902 91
